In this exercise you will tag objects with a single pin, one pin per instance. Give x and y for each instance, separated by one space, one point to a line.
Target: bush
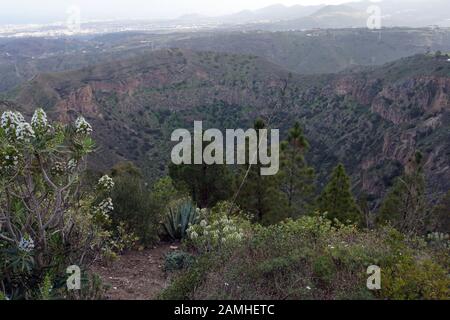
164 191
410 279
134 209
46 222
189 281
324 268
217 232
177 260
314 258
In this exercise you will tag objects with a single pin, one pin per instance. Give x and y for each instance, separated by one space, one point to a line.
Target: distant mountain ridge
274 12
308 52
351 14
277 17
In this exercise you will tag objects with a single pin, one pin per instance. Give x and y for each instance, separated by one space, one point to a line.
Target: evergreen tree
405 206
297 177
261 195
337 199
207 184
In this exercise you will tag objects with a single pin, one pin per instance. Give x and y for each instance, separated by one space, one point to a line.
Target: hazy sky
44 11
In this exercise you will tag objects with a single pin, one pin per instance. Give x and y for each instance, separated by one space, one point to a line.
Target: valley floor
136 275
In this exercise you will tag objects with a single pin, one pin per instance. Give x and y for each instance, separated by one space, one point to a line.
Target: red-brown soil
136 275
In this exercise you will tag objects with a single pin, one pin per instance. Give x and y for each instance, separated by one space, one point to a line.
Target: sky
47 11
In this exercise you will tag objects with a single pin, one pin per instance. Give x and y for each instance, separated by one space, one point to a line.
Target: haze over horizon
50 11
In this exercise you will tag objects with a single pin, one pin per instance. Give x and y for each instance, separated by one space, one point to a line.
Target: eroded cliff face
405 101
362 90
416 111
80 101
400 102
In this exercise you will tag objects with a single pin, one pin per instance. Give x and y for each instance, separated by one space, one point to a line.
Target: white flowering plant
106 183
82 126
218 230
26 244
46 222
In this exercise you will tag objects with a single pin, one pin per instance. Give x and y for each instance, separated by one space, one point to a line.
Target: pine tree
297 177
261 195
405 206
337 199
206 184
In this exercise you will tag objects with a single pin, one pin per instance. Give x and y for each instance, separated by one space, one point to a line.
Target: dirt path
136 275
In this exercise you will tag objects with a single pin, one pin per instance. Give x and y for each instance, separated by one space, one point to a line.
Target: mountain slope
135 104
310 52
322 51
371 119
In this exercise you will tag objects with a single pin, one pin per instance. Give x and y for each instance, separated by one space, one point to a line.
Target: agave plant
179 217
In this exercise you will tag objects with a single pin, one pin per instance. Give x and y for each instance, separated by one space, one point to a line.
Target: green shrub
324 268
276 265
189 281
177 260
412 279
163 192
134 209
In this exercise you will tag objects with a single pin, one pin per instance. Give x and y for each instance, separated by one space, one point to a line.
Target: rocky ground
136 275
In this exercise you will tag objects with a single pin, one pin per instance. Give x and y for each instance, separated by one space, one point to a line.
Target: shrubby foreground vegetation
281 239
49 219
312 258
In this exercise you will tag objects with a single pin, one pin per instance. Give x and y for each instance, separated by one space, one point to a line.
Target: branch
8 215
44 173
2 236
